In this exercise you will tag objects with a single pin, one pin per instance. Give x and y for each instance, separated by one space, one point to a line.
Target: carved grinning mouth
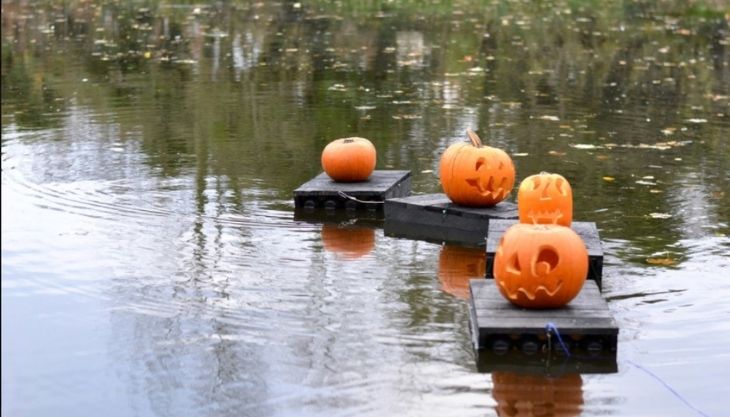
550 216
485 181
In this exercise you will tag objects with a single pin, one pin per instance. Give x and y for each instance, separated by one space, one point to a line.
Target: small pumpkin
349 242
457 265
540 266
545 198
349 159
476 175
518 394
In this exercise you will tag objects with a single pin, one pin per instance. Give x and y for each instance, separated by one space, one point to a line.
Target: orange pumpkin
350 242
476 175
537 395
457 265
349 159
540 266
545 198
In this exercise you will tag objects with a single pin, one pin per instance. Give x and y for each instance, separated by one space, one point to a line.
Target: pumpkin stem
474 138
348 140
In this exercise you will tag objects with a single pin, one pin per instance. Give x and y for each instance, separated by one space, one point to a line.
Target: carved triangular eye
535 183
513 265
480 162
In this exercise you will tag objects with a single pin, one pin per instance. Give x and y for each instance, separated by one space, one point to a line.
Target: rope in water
349 197
552 327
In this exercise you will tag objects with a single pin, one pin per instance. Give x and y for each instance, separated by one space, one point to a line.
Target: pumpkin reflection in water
459 264
537 395
350 242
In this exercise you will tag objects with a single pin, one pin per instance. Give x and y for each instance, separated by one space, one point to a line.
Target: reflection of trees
265 86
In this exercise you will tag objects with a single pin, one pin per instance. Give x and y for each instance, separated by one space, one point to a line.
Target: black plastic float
433 217
583 330
322 192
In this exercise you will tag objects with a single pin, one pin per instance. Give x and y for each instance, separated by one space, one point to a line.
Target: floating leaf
661 261
583 146
550 118
609 179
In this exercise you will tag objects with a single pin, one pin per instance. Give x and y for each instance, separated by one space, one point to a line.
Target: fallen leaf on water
550 118
582 146
609 179
669 131
661 261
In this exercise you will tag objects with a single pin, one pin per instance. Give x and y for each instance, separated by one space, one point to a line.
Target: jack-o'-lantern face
349 242
545 199
476 175
540 266
457 265
537 395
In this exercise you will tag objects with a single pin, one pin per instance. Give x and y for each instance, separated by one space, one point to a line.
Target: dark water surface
152 264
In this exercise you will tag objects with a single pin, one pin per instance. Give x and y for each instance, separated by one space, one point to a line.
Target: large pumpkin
476 175
545 198
540 266
457 265
349 242
537 395
349 159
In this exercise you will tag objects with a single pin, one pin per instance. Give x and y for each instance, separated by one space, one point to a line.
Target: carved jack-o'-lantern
545 198
537 395
348 242
457 265
476 175
540 266
349 159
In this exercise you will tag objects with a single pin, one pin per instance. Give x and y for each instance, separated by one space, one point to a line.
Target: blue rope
667 386
551 326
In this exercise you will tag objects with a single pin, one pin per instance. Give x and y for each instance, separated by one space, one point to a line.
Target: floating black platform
546 363
322 192
586 230
433 217
585 325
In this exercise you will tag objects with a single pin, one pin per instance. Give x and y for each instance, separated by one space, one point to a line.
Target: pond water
152 264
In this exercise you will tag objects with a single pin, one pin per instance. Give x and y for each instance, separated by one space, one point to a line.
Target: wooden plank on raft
434 218
585 324
586 230
322 192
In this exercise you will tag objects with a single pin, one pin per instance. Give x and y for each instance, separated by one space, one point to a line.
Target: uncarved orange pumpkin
540 266
476 175
535 395
457 265
349 159
349 242
545 198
